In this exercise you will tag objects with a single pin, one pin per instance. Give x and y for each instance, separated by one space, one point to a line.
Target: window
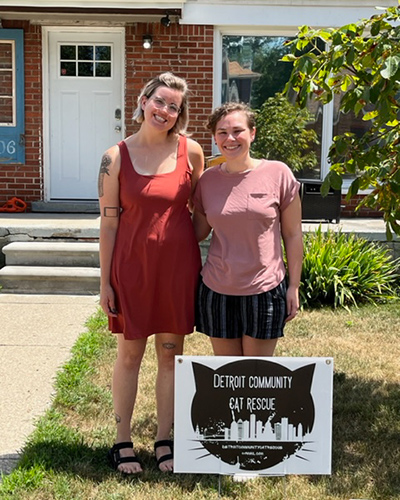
252 72
7 83
12 126
85 60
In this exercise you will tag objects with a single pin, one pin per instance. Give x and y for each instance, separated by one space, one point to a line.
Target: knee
129 361
166 354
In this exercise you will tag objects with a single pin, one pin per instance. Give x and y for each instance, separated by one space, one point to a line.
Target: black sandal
115 458
168 456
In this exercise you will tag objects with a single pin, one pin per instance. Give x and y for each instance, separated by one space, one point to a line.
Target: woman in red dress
149 256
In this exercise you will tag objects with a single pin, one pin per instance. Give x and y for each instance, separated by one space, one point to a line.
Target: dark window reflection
85 69
103 53
103 69
68 69
68 52
85 52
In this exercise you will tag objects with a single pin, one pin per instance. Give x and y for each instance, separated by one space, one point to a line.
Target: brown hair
226 109
173 82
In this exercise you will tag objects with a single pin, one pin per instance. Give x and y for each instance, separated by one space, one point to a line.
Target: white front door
85 109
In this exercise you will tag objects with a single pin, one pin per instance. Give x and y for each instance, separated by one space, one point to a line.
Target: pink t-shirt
245 254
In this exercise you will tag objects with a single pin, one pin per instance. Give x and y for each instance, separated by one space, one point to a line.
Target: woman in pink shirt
246 294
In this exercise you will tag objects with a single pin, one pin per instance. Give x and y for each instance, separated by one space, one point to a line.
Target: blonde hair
173 82
226 109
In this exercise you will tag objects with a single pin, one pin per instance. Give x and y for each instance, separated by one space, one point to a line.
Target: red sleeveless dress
156 260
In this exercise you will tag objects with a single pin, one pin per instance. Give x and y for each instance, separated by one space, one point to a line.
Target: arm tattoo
105 162
111 211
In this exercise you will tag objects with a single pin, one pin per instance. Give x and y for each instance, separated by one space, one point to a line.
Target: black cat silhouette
253 413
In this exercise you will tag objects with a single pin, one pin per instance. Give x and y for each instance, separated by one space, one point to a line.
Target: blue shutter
12 137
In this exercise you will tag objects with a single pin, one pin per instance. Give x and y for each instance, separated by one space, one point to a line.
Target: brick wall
348 207
24 181
187 51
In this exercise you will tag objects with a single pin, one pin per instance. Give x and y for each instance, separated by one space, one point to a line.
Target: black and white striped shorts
260 316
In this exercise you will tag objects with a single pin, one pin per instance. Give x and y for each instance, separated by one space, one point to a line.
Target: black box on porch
318 207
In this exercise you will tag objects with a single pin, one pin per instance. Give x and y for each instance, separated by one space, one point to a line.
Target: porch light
165 21
147 41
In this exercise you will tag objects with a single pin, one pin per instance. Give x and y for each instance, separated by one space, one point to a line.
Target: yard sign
265 416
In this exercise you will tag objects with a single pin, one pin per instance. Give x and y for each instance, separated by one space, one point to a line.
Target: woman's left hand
292 302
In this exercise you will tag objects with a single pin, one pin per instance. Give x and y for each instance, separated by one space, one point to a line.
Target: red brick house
70 73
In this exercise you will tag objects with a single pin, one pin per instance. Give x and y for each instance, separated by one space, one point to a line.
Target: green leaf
354 187
350 55
337 38
371 115
305 65
389 235
391 67
341 145
325 186
350 166
396 175
375 28
289 58
335 180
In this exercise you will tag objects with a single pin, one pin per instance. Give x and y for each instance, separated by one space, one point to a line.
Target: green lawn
65 458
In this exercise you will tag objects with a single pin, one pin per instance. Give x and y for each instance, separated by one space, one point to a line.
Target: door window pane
68 69
103 53
82 60
85 69
103 69
85 53
68 52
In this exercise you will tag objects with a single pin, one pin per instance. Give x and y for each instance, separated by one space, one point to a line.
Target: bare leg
227 347
167 346
258 347
124 389
246 346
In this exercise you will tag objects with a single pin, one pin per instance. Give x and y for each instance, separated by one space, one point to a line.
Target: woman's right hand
107 301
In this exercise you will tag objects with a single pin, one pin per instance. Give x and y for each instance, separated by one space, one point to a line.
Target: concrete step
49 280
58 253
65 207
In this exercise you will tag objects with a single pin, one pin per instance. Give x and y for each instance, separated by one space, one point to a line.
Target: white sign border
196 459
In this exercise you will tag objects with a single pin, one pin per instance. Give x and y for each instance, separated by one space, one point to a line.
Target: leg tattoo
169 345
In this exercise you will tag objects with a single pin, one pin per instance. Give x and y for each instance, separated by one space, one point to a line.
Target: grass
65 456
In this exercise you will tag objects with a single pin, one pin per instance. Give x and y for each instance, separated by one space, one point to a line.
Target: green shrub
283 134
341 270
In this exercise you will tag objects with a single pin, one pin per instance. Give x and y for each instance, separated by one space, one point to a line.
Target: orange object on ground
14 205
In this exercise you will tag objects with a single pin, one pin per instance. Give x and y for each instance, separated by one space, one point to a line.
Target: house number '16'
8 147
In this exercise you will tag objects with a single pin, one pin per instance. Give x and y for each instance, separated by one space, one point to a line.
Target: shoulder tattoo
104 170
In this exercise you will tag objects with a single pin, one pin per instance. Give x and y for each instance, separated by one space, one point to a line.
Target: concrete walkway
36 336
